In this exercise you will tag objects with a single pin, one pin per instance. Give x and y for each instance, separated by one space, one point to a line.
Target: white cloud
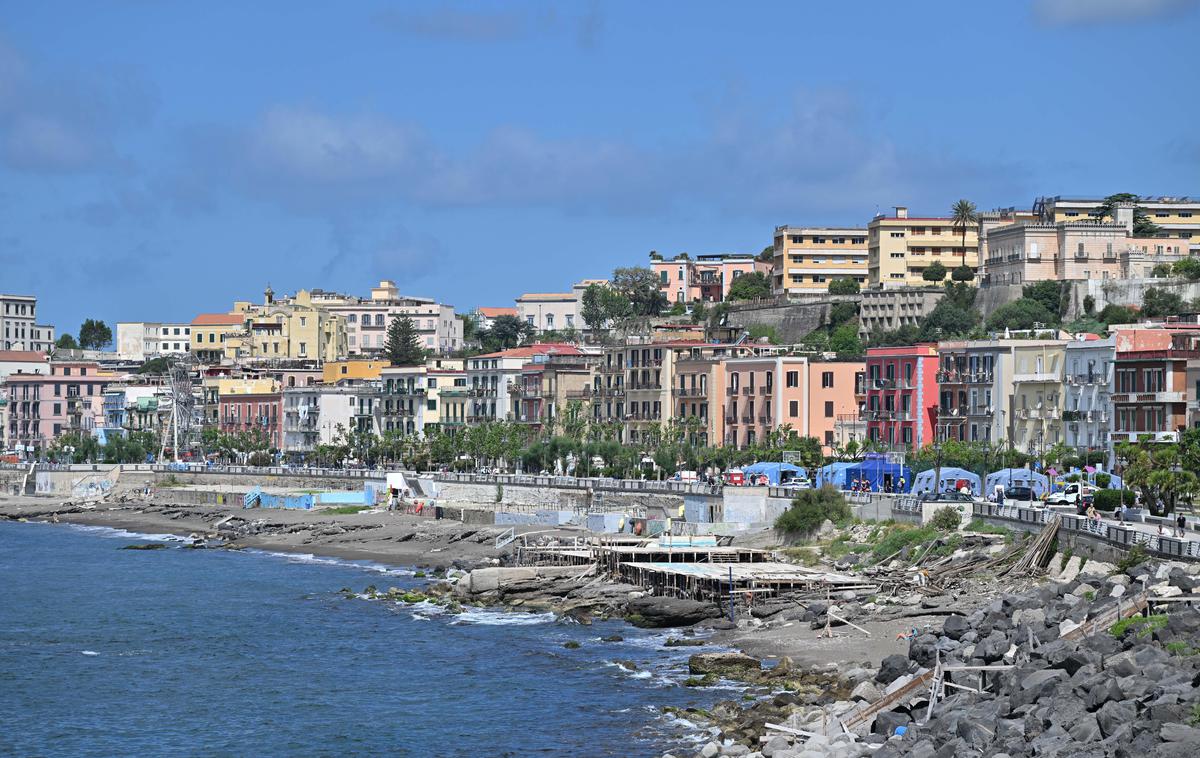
1078 12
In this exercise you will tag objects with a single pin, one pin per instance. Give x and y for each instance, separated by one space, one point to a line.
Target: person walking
1181 524
1123 511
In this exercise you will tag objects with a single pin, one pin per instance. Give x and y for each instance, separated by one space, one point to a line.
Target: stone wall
1104 291
791 321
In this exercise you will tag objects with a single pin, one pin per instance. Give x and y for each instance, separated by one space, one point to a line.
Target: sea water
105 651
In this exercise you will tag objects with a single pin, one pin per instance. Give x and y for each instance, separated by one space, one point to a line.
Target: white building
1087 400
490 376
367 319
143 340
19 329
318 414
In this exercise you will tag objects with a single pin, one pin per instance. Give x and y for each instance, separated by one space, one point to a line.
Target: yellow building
296 330
900 247
806 259
1178 217
211 332
1037 400
336 371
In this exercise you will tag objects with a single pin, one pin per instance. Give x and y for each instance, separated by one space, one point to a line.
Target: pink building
67 397
246 412
766 394
902 396
707 277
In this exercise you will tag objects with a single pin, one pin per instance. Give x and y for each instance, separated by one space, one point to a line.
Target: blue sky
163 159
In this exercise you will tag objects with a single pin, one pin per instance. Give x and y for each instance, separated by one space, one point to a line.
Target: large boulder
723 664
892 668
663 612
955 626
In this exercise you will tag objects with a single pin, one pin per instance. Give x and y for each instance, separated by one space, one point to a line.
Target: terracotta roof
27 356
490 312
528 351
218 319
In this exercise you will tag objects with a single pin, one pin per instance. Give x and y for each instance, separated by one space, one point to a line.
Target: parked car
1071 494
799 483
946 497
1019 494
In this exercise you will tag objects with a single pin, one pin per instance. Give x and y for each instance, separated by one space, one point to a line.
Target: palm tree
963 215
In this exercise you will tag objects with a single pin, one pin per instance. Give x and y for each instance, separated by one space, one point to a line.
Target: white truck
1072 494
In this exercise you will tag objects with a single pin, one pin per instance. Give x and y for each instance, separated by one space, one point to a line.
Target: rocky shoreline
1094 695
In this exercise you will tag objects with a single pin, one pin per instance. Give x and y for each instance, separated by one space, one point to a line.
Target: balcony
1148 435
731 420
747 419
482 392
1149 397
884 384
1080 380
1036 377
731 391
765 390
748 391
644 386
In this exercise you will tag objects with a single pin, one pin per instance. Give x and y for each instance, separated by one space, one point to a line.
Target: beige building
1076 250
367 319
295 329
808 258
885 310
550 311
1037 402
900 247
1178 217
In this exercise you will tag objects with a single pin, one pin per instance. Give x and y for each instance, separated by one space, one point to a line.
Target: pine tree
403 346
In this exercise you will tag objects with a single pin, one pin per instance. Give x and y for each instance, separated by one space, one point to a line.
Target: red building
902 396
246 412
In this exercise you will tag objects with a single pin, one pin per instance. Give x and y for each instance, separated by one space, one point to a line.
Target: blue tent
1017 477
878 473
776 473
951 476
834 474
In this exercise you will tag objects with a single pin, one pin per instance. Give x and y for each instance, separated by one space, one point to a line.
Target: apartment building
1038 395
550 311
1150 390
447 393
19 327
490 378
248 405
989 220
900 247
1178 217
697 389
975 380
901 401
885 310
1087 392
485 316
210 331
766 395
1076 250
404 403
68 397
321 414
143 340
333 372
806 259
707 277
292 329
546 390
367 319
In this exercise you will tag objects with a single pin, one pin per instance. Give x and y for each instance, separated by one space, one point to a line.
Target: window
378 319
793 408
529 320
826 379
549 320
303 320
828 438
828 409
680 276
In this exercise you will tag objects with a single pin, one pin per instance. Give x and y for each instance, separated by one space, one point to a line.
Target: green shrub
1136 556
1145 625
1103 480
1109 500
345 510
810 509
946 519
260 459
901 537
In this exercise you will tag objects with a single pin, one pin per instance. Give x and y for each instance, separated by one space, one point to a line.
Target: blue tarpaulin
1017 477
880 475
834 474
950 478
776 473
